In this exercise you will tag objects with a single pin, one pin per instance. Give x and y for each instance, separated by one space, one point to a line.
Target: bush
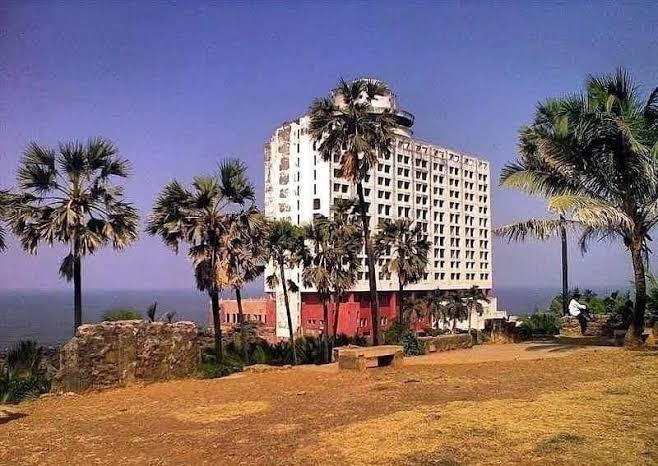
540 323
114 315
22 376
209 369
400 334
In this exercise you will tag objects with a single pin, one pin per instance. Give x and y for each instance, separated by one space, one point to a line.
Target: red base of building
354 315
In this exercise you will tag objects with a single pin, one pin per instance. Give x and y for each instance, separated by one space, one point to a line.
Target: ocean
47 316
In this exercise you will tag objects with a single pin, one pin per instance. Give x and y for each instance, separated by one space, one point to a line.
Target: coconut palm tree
595 157
407 249
285 248
203 218
66 195
473 298
347 127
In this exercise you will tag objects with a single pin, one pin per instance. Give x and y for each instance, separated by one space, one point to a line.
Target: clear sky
178 86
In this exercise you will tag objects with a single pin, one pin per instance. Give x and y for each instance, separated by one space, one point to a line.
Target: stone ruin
114 354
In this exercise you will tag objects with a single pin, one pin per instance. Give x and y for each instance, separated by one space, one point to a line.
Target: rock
260 368
113 354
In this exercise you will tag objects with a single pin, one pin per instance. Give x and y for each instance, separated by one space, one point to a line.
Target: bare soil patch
511 404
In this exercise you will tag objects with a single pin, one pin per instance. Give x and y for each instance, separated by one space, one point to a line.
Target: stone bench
360 358
446 342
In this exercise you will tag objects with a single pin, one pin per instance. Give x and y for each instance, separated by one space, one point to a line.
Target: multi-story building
446 191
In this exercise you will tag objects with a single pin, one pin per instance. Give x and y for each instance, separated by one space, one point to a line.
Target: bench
360 358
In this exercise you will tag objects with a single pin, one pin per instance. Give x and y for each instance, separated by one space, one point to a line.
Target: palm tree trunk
565 270
325 331
470 319
287 303
400 302
77 287
336 317
243 339
217 325
635 330
372 279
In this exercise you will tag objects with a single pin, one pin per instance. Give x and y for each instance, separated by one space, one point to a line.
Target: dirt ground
497 405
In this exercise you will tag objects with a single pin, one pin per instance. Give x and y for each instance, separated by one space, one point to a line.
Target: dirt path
507 404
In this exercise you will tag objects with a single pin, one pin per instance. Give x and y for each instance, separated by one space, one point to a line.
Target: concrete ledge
446 342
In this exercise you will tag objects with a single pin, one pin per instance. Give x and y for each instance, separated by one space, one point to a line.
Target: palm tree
473 298
435 304
5 202
202 219
455 308
595 156
346 126
285 248
246 255
407 249
332 265
66 196
345 231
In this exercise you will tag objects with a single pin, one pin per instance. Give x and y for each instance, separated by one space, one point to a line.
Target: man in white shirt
578 310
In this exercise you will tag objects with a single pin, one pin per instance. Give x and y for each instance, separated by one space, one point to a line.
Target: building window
316 204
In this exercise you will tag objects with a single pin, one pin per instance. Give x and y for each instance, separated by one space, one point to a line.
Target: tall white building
446 191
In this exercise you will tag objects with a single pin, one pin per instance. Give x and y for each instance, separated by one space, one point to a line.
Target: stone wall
597 327
446 342
113 354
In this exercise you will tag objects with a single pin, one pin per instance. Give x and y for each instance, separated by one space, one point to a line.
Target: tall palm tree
285 248
595 156
473 298
66 195
407 249
203 219
345 125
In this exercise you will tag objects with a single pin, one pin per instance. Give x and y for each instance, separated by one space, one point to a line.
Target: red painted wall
354 314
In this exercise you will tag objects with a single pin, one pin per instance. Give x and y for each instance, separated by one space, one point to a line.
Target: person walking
579 311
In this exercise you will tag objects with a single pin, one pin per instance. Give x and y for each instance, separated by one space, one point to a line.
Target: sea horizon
45 315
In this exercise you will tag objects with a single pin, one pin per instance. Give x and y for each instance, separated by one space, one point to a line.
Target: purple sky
178 87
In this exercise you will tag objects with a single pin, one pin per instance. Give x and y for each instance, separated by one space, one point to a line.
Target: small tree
473 298
66 196
407 249
436 305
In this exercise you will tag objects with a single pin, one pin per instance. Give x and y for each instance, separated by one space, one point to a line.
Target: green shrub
209 369
21 376
400 334
114 315
540 323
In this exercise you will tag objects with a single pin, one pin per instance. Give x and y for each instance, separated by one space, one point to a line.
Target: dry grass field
496 405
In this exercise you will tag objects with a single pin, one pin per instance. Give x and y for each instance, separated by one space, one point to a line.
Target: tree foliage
594 157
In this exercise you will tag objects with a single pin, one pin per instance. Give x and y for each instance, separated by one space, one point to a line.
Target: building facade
446 191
